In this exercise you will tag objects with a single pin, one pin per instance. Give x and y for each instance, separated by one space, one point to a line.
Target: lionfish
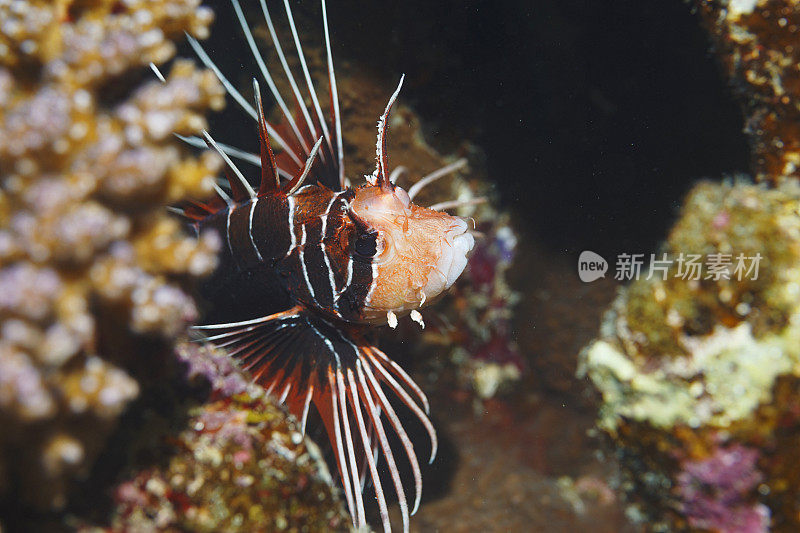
325 263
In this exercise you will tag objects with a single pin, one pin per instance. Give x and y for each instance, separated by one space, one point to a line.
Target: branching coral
90 262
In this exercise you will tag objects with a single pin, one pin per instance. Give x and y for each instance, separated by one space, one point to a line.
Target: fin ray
266 74
309 83
304 359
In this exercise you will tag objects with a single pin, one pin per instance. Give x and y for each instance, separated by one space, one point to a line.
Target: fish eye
367 245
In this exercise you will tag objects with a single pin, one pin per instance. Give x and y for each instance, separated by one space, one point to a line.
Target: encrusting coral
712 347
240 465
91 264
757 43
712 490
691 366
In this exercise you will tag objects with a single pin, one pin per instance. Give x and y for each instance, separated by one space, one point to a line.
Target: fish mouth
453 259
462 245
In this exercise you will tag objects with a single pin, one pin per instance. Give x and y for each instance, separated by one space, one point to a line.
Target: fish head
416 253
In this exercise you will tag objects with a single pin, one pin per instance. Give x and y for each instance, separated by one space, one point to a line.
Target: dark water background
595 117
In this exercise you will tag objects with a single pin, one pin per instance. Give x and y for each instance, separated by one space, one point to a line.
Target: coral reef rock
757 42
699 369
475 321
698 362
93 271
240 465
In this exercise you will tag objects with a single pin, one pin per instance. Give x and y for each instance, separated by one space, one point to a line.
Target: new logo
591 266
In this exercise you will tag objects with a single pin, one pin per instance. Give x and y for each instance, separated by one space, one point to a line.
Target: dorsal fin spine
381 160
269 170
240 187
291 187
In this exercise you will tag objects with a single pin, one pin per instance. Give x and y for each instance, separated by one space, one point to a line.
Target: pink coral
215 366
716 492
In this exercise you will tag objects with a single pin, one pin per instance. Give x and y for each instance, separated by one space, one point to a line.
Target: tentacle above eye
435 175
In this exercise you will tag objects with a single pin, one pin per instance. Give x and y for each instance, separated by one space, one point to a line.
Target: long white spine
287 70
267 76
244 104
323 124
337 118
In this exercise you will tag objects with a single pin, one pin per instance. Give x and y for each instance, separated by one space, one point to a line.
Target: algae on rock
686 367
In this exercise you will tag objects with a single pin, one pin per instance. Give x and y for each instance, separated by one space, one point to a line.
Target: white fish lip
462 245
453 259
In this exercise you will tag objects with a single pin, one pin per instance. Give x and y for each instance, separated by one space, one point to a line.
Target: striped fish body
294 249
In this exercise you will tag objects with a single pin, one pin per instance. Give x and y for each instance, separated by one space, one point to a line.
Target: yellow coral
89 258
651 366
